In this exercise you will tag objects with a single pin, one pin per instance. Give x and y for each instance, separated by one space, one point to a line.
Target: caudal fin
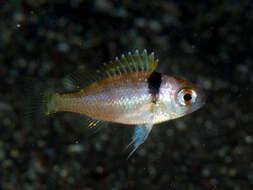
39 101
47 104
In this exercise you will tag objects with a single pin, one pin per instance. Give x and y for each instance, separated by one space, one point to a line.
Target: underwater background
206 42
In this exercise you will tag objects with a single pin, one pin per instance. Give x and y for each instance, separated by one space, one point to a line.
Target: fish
126 90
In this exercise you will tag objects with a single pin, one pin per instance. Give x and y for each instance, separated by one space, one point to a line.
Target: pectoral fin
140 134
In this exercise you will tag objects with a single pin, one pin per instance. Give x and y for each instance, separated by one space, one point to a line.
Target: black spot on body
154 84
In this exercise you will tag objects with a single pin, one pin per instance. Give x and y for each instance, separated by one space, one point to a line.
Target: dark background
206 42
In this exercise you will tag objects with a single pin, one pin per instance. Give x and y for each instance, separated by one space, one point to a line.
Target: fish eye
186 96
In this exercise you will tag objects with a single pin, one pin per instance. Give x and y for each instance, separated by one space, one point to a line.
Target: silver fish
129 91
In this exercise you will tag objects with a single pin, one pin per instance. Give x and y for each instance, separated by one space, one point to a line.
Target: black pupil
187 97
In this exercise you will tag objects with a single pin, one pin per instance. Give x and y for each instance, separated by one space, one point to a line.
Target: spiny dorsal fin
132 62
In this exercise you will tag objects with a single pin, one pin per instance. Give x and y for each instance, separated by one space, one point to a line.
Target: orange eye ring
186 96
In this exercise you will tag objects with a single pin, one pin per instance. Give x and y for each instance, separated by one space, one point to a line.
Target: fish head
180 97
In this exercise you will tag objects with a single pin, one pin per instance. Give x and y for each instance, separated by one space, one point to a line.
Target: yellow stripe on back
136 62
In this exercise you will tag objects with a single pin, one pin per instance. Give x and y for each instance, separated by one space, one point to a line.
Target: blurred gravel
206 42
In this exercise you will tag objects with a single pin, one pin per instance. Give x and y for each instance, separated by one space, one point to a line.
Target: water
208 43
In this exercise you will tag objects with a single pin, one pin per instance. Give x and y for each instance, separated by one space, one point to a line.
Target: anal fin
96 124
140 134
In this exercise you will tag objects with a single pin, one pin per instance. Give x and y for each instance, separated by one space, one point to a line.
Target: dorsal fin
136 62
132 62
